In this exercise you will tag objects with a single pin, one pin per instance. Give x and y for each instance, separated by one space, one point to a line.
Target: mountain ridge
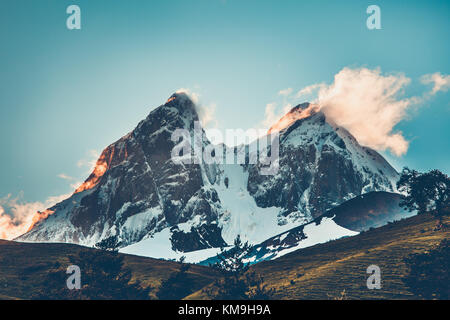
138 193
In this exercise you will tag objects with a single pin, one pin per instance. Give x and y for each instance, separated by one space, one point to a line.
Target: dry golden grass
327 270
23 266
334 270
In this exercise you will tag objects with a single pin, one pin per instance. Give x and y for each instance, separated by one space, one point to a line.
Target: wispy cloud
439 81
75 183
206 112
311 89
366 102
285 92
369 105
89 161
270 117
17 215
65 177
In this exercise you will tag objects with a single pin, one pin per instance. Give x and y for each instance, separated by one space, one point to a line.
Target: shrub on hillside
428 275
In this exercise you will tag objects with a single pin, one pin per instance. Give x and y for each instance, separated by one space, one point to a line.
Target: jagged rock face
195 239
320 166
135 177
138 193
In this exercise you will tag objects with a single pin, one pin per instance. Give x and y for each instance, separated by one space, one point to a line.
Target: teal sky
66 92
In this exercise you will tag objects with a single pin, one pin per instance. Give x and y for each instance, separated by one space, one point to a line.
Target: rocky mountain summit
159 207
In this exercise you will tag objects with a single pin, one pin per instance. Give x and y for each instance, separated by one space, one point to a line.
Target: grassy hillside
324 271
23 266
320 272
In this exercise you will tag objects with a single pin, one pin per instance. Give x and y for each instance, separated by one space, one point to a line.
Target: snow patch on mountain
159 246
241 215
326 230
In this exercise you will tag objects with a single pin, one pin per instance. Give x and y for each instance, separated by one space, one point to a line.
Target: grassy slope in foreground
324 271
23 266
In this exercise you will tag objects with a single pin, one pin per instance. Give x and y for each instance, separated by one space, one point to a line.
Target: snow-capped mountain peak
158 207
299 112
